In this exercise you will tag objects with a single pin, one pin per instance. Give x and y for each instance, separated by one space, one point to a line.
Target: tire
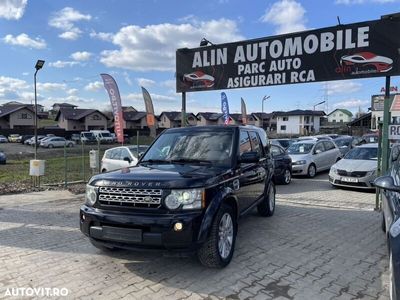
212 254
50 146
287 177
101 247
266 208
312 171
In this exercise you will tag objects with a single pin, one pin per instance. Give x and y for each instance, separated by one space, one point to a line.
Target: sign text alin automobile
351 51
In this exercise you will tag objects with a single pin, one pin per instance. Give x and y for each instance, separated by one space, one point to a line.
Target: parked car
87 137
14 138
358 168
53 142
3 139
31 141
282 165
186 193
3 158
76 137
121 157
390 194
104 136
345 144
25 137
285 143
312 156
370 138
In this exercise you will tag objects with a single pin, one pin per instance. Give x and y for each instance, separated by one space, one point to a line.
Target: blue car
390 191
3 158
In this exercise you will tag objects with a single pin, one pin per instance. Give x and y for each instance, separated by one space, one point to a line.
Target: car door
331 152
390 199
247 174
319 157
124 156
261 166
113 162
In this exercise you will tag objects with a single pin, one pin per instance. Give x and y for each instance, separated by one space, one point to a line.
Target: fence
63 166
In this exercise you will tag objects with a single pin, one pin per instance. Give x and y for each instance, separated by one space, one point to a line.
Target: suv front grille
130 197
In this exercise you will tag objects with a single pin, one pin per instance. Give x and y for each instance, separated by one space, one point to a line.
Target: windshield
341 143
200 146
362 153
300 148
105 134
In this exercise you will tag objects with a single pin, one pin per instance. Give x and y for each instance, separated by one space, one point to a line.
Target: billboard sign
359 50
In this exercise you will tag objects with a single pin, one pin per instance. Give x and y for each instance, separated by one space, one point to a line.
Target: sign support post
183 114
385 127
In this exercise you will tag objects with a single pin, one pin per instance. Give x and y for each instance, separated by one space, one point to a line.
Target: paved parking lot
322 243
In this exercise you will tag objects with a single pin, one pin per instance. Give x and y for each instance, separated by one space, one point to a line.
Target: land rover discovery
185 194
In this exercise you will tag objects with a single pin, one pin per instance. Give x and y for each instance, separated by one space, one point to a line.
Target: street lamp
313 123
38 66
262 110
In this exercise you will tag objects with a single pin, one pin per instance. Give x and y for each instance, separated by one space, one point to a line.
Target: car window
320 147
115 154
124 153
329 145
244 145
300 148
255 143
276 150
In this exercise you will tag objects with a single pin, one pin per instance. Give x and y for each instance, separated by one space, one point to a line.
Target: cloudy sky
135 42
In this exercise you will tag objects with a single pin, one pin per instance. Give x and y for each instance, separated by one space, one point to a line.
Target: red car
368 60
199 80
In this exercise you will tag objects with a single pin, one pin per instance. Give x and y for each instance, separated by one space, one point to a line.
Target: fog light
178 226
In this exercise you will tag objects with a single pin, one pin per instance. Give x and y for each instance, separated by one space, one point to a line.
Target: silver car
52 142
357 169
312 156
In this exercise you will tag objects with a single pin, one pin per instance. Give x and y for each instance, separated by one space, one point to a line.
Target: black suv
186 193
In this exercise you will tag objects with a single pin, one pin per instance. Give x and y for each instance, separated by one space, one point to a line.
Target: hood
297 157
352 165
161 176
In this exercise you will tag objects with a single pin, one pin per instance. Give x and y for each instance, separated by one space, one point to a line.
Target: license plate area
127 235
349 179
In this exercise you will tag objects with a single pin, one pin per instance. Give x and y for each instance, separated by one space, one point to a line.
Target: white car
357 169
312 156
121 157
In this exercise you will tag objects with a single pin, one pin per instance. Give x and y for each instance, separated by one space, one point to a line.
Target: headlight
91 195
300 162
186 199
334 169
370 173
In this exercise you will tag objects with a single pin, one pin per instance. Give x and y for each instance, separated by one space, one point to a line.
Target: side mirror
126 158
317 151
249 157
386 183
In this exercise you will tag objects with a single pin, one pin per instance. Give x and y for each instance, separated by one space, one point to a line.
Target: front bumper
134 230
300 169
354 182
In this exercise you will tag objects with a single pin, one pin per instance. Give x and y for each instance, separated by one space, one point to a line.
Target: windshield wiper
192 161
156 161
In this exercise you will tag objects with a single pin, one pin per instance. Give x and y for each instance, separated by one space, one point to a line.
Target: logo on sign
364 63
